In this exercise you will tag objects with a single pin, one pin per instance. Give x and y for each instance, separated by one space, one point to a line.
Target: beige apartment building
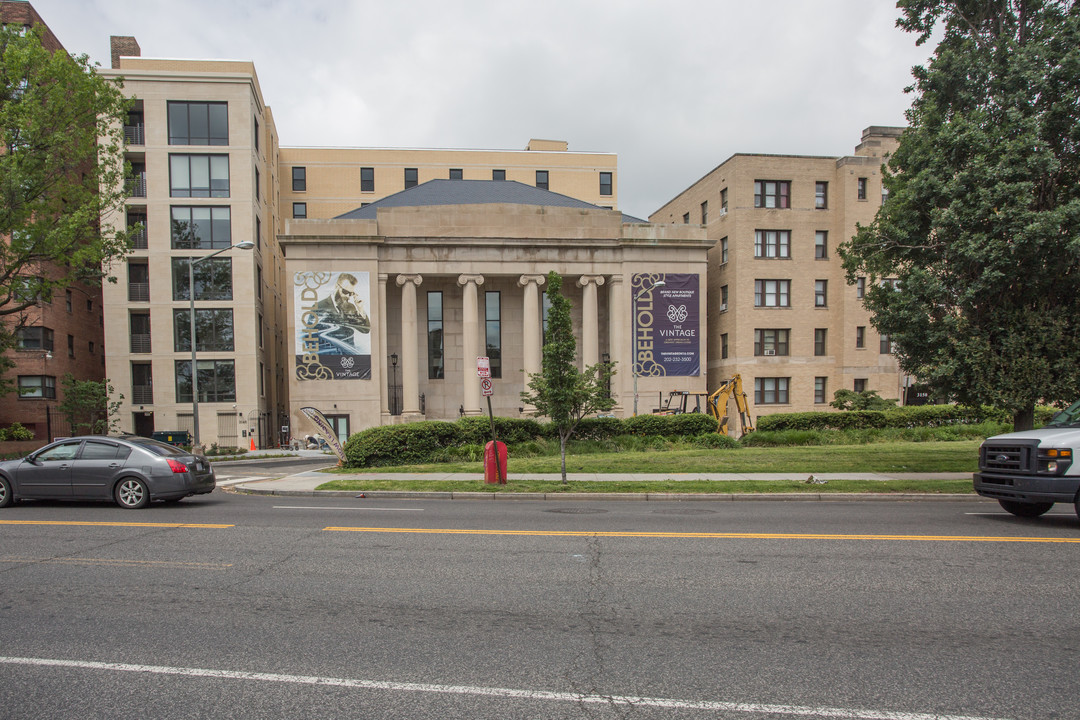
780 312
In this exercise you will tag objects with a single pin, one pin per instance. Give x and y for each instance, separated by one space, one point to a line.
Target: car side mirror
33 460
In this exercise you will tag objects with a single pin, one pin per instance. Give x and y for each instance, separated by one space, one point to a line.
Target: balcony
138 292
142 394
135 134
139 239
140 342
136 186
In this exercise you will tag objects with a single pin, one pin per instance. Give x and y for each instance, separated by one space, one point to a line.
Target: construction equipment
678 402
718 402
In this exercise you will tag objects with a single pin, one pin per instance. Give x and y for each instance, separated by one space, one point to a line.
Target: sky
672 87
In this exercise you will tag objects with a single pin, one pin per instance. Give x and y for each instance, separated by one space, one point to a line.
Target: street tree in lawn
974 258
561 391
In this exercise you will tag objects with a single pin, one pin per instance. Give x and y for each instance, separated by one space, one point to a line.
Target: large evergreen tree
561 391
61 166
981 227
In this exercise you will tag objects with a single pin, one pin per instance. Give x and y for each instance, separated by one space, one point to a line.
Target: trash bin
495 474
173 437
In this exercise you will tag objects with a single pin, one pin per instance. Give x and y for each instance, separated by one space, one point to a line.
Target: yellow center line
113 524
714 536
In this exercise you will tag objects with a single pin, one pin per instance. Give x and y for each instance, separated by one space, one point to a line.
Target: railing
135 134
140 342
142 394
138 292
139 239
136 186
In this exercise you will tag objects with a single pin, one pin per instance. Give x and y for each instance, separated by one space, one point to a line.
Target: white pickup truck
1027 472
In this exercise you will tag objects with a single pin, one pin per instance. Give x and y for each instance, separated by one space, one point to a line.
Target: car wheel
7 497
132 494
1023 509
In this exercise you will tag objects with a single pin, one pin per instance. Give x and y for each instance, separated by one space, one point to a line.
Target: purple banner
667 324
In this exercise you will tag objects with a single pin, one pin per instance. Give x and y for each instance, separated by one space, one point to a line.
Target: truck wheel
1023 509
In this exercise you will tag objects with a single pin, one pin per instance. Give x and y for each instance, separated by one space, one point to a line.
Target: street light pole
243 245
633 340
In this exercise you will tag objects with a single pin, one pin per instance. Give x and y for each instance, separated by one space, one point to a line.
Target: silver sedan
130 470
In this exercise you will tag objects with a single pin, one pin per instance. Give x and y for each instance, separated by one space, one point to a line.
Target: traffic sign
483 367
485 387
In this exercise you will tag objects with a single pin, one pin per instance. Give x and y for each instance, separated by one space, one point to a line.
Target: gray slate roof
472 192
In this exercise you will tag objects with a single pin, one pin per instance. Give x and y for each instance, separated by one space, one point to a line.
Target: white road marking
1002 513
237 480
542 695
367 509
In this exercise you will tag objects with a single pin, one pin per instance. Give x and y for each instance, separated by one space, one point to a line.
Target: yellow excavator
718 402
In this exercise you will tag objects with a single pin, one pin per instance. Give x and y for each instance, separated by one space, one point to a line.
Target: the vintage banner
327 430
333 328
667 324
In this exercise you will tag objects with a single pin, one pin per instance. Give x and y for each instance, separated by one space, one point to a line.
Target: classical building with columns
393 303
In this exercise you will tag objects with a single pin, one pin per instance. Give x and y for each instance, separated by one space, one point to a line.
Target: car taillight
177 466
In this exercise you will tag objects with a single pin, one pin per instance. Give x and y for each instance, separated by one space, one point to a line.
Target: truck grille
1010 457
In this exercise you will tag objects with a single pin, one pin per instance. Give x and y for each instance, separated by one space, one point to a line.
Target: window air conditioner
723 307
770 352
723 212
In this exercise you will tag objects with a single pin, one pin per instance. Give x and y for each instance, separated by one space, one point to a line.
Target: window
201 228
860 287
723 250
139 325
821 335
820 384
37 386
198 123
258 281
435 335
91 347
860 336
412 178
89 305
299 179
886 345
723 201
771 342
499 175
860 385
455 174
542 179
821 245
772 243
772 293
260 330
71 346
299 210
68 300
686 218
493 332
705 212
262 388
213 279
199 176
723 298
217 381
255 131
605 184
258 233
142 384
884 194
213 330
821 293
258 182
138 282
723 346
821 195
772 193
862 188
367 179
771 390
34 338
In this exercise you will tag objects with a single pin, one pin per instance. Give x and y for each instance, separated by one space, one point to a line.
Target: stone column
590 319
532 329
410 380
618 345
471 343
384 392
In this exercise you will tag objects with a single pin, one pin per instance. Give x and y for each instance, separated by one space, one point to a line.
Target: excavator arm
718 402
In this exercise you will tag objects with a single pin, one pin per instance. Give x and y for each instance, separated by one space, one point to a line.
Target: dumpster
495 465
173 437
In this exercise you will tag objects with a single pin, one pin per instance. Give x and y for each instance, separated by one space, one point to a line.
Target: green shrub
16 431
715 440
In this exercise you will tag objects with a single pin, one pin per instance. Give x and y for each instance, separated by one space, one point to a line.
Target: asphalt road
257 607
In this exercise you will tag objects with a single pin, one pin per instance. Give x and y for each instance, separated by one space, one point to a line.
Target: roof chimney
123 46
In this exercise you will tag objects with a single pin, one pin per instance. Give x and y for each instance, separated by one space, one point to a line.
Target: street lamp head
659 283
244 245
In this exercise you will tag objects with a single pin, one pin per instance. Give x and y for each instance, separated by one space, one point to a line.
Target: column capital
465 279
414 279
584 280
383 277
528 279
615 279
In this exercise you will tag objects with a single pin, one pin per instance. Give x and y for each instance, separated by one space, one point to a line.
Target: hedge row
417 442
911 416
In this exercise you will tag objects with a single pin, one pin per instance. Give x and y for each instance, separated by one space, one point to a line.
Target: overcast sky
674 87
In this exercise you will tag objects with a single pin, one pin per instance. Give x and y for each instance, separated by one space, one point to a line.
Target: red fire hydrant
495 465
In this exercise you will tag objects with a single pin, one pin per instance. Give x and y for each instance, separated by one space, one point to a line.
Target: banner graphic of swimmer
667 325
333 328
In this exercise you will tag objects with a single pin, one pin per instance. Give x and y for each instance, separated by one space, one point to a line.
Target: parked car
130 470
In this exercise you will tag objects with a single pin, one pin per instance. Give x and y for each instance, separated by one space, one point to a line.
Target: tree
61 167
974 259
561 391
91 407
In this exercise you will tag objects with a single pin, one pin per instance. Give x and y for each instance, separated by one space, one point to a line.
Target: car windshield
1069 417
157 447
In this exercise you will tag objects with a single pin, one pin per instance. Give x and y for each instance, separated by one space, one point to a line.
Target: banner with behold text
667 324
333 329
